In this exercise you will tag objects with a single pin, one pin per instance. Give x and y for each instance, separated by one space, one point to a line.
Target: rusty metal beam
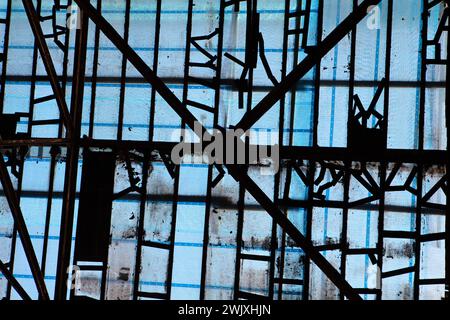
13 202
286 152
447 121
48 64
190 120
314 56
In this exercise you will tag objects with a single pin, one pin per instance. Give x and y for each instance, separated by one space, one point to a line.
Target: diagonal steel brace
314 56
13 202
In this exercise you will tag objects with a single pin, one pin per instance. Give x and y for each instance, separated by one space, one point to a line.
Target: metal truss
366 161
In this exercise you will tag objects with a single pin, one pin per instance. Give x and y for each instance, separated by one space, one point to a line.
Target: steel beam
343 154
138 63
190 120
13 281
447 121
286 152
48 63
70 183
231 83
5 55
13 202
283 221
